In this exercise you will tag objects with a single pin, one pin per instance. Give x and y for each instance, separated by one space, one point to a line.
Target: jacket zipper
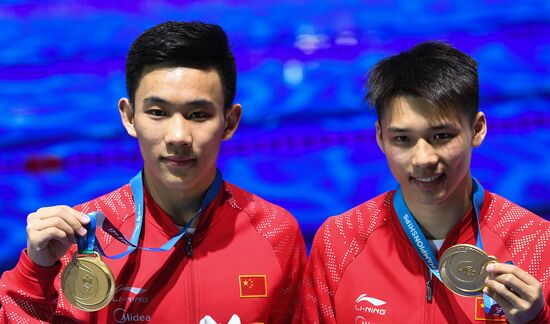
429 288
428 316
192 299
189 245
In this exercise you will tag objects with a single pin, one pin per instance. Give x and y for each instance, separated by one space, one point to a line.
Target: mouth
428 182
178 161
428 179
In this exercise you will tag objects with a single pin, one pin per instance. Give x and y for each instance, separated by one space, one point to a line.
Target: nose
178 131
424 155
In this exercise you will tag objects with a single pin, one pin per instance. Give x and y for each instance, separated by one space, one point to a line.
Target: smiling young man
206 249
379 262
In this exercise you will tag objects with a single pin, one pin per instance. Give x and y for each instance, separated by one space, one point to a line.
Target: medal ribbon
419 241
86 244
99 219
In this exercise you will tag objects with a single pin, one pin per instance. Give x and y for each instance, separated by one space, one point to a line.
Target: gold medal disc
87 282
462 269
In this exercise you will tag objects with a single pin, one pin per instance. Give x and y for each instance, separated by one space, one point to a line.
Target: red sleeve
317 293
291 253
28 294
336 244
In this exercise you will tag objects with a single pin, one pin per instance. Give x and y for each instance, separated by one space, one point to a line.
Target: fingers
61 223
73 218
54 228
497 268
519 293
503 295
45 236
512 282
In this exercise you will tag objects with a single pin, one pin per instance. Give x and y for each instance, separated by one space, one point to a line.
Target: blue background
307 139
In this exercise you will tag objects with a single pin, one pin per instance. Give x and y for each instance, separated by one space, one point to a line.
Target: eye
443 136
155 112
198 115
402 139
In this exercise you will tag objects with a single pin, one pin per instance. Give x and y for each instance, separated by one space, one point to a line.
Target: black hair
434 71
182 44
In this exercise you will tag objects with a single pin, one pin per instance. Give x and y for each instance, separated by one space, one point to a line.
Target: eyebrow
433 128
154 100
443 126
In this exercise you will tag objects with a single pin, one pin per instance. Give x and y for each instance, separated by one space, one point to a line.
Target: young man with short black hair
202 249
381 262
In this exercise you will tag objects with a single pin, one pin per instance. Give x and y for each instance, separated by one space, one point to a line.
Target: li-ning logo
132 299
374 309
133 290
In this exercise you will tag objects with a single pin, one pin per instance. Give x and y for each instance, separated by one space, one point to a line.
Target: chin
437 199
175 182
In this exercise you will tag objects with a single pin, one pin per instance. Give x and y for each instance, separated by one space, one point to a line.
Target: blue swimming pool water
306 141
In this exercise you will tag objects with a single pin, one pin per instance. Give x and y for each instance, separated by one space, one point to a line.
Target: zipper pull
429 292
189 245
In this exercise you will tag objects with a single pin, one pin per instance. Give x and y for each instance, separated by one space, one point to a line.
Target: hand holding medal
87 282
518 292
464 265
52 231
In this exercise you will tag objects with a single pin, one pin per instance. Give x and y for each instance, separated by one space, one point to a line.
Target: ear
480 129
232 120
127 116
379 137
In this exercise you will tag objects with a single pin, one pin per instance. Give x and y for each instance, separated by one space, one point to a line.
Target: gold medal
87 282
462 269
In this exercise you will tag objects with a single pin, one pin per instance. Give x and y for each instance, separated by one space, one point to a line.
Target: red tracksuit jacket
248 257
363 268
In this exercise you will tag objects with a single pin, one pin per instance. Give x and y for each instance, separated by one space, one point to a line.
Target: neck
437 220
180 205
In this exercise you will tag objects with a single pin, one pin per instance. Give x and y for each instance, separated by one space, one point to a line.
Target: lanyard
98 219
419 241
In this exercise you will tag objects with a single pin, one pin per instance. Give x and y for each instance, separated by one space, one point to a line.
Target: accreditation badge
463 269
87 282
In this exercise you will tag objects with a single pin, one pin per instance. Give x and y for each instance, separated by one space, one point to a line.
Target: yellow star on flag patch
494 316
253 286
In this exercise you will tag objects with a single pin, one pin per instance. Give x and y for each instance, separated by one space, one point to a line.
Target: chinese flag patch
253 286
496 314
